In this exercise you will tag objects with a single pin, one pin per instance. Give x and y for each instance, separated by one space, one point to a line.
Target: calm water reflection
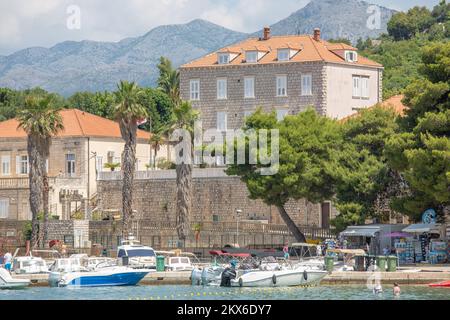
213 293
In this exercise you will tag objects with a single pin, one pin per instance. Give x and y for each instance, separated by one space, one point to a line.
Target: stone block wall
215 199
11 235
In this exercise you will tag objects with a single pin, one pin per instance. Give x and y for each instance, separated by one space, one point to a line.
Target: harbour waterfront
185 292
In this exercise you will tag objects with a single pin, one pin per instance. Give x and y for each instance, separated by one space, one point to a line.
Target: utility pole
238 213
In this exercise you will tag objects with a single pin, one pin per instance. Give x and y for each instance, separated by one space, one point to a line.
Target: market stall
371 238
428 243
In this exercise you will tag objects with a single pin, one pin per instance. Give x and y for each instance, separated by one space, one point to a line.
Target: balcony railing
14 183
162 174
310 232
18 183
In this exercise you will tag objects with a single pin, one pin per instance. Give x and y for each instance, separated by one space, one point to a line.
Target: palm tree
158 138
169 80
128 112
41 121
185 117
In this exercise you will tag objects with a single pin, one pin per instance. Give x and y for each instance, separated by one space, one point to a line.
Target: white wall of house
341 101
106 150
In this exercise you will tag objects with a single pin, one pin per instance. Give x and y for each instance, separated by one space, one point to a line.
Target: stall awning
421 228
361 231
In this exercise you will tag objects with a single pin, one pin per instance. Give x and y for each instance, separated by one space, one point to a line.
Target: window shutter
365 87
17 164
306 85
356 86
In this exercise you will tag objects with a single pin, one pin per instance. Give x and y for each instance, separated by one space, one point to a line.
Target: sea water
182 292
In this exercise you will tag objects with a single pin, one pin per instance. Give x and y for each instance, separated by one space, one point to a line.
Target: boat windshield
30 263
184 260
137 253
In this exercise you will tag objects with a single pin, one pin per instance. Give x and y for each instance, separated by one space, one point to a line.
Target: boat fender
241 282
305 275
274 279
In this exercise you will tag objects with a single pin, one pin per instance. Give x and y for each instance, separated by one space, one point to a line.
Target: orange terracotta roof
289 46
230 50
394 103
339 46
256 48
77 123
311 50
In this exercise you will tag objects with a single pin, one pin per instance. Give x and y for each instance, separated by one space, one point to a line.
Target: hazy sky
26 23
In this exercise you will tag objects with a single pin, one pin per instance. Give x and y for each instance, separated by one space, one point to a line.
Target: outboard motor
228 275
196 277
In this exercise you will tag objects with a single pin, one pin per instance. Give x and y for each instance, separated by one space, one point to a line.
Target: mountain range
72 66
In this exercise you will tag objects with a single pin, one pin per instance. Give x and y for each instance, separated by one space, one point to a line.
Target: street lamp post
238 213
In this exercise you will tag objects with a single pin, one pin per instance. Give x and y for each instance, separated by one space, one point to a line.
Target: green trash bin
160 264
392 263
360 263
382 263
329 263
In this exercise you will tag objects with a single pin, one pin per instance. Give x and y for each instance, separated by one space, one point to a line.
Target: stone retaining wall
216 197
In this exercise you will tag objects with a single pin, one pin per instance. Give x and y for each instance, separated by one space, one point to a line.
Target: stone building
77 155
282 73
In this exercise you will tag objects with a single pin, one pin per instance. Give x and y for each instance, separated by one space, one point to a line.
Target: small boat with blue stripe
103 277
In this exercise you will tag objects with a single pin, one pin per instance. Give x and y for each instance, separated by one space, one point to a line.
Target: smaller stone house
77 155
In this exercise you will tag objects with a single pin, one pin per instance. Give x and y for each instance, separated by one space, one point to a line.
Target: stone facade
265 90
216 197
331 90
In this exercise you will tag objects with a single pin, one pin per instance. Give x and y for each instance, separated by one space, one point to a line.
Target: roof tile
310 51
77 123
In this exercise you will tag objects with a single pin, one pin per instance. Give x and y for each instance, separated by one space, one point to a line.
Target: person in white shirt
7 261
319 250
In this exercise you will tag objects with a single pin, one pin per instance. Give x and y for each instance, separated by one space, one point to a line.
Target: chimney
266 33
317 34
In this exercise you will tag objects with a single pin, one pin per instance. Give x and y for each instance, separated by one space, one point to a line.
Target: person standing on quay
286 251
7 261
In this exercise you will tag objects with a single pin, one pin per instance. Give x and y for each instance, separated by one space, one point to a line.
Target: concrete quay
404 277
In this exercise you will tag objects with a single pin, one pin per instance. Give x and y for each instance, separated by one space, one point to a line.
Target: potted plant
112 166
197 230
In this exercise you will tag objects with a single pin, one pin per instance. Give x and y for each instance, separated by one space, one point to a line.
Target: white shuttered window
4 208
306 85
249 84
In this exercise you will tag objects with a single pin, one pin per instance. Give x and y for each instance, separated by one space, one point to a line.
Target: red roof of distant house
77 123
394 103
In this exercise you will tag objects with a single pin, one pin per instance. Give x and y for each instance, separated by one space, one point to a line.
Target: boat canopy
234 255
356 252
422 228
299 245
361 231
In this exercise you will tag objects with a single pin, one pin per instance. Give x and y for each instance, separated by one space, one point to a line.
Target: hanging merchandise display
438 252
405 250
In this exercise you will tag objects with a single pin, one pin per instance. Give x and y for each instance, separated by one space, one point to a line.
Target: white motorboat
29 265
102 277
139 256
67 265
282 278
8 282
180 264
